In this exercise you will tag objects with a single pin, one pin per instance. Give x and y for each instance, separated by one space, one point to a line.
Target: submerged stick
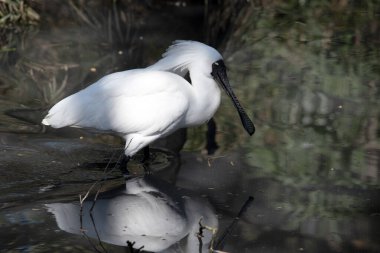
82 200
228 230
199 235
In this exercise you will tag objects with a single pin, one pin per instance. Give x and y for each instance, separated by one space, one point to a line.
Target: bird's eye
216 63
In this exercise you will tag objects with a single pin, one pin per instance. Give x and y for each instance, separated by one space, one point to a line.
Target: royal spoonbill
147 211
142 105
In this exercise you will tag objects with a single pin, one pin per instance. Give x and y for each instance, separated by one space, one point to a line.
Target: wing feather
142 101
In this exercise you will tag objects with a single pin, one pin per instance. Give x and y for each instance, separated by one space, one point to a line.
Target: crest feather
183 53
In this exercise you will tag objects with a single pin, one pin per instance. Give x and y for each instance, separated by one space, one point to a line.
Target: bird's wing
143 101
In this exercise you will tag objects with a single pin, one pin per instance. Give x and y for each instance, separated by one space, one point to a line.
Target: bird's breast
203 108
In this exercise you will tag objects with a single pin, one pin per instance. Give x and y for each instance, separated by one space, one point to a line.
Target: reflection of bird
147 211
143 105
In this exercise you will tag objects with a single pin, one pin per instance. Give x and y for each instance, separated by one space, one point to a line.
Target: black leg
211 145
146 154
145 160
147 170
123 165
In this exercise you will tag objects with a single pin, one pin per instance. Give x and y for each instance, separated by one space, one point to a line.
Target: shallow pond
312 166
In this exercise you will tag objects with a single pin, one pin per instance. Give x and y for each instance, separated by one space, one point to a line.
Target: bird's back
125 102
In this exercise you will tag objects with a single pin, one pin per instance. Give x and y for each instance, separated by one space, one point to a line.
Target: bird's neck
206 96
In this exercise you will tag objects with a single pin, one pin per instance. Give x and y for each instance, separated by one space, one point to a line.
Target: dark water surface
310 82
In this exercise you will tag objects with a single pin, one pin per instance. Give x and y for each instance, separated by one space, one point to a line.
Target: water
310 81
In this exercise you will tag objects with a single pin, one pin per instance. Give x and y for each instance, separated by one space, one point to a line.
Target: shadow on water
307 71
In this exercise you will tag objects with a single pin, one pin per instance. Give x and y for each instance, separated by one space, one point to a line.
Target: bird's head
184 56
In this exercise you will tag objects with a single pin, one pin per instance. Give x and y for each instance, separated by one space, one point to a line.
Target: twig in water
131 249
200 235
96 231
220 243
210 159
82 199
105 172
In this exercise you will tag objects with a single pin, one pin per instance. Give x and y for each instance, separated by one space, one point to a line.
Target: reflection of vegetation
16 12
61 63
315 65
16 16
309 71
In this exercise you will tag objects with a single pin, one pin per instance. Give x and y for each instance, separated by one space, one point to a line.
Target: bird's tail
45 122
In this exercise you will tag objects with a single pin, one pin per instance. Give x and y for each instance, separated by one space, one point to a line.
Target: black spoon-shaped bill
220 75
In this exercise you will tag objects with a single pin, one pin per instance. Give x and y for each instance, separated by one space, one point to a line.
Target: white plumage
143 105
147 211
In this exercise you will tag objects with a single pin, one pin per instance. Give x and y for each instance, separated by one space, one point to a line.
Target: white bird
146 211
142 105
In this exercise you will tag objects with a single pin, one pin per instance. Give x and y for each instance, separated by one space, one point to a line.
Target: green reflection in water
309 73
